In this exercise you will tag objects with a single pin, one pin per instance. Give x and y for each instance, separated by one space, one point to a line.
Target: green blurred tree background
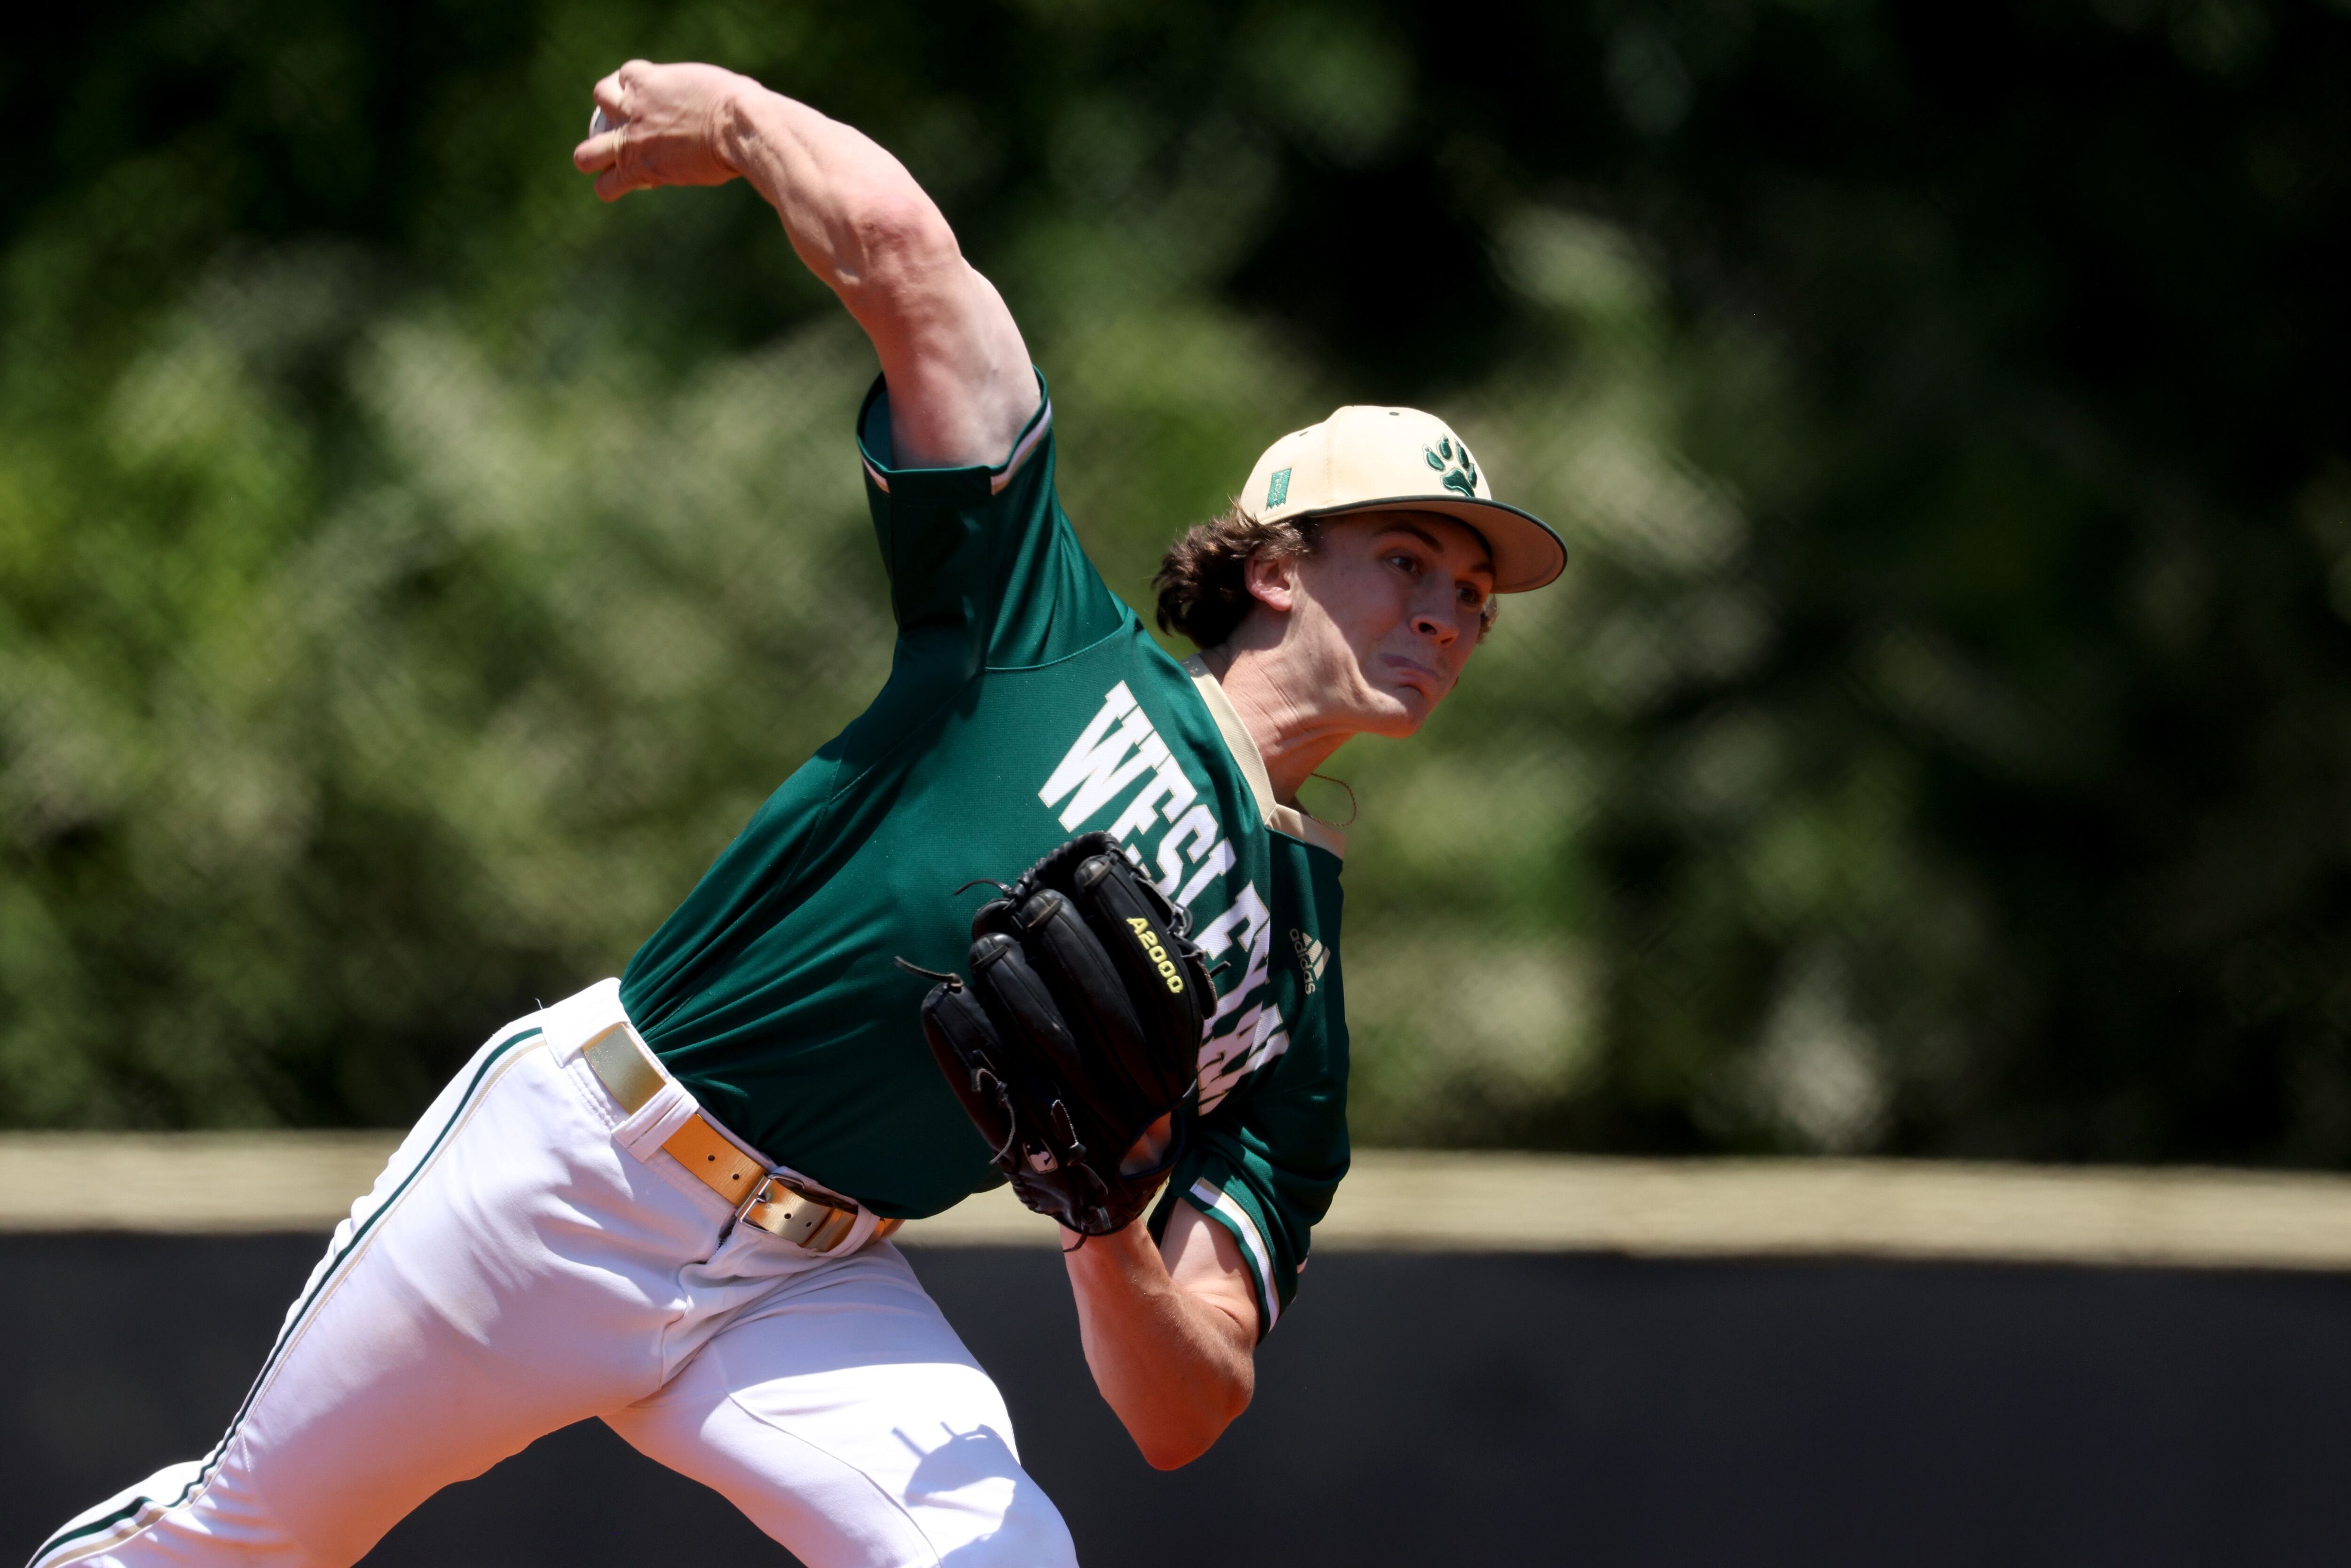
411 570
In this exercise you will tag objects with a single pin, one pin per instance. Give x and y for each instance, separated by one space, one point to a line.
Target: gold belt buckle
778 1206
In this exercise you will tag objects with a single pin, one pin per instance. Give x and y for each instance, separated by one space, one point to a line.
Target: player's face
1394 601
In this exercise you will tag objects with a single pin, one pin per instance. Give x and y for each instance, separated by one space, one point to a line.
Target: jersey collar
1287 820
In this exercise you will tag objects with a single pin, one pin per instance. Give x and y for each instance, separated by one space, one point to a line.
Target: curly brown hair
1203 579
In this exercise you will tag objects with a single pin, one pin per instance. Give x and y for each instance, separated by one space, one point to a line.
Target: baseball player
666 1201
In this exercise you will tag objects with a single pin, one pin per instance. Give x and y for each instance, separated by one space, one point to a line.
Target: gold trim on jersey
1287 820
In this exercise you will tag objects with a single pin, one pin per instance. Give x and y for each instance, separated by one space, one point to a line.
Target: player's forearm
1177 1369
852 210
958 372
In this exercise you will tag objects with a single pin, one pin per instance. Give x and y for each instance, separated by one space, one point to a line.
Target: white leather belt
764 1199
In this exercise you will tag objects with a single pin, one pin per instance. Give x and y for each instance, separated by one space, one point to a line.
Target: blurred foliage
411 571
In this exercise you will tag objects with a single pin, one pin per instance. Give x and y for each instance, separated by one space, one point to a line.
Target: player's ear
1272 580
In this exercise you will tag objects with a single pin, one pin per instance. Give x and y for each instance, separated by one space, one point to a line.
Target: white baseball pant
530 1258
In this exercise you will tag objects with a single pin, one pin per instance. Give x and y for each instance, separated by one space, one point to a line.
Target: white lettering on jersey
1167 783
1118 747
1107 759
1199 825
1257 1038
1099 765
1240 1040
1218 861
1247 922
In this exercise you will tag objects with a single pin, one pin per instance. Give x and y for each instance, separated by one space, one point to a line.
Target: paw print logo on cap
1440 457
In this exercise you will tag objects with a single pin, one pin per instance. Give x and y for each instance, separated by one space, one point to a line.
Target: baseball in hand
655 126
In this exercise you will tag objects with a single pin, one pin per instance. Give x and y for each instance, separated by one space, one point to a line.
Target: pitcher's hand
667 122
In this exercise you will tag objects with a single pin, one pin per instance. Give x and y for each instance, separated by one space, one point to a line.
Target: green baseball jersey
1025 703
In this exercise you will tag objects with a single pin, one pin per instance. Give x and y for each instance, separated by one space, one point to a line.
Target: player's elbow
901 249
1176 1457
1173 1452
1182 1437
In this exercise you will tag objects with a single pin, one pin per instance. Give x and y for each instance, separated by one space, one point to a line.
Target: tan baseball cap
1364 459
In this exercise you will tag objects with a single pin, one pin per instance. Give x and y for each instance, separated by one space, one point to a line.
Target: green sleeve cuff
1226 1196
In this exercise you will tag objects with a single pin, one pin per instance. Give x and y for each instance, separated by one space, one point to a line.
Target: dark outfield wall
1577 1410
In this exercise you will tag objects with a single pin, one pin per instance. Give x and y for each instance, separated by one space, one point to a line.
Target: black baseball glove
1079 1029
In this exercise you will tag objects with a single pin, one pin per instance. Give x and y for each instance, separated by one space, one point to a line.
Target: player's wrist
734 115
1128 1253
